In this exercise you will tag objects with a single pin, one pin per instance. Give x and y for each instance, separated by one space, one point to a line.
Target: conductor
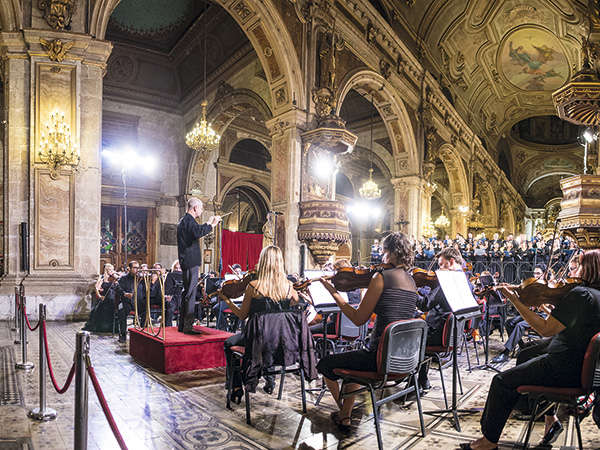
188 248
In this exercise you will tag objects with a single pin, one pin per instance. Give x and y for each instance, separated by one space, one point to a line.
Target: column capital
278 125
403 183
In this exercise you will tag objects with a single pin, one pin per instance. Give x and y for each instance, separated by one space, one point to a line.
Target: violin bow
552 251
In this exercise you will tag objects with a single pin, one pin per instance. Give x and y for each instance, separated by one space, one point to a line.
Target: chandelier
202 137
56 146
370 190
442 221
429 229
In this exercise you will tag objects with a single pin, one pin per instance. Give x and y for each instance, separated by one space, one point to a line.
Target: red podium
179 352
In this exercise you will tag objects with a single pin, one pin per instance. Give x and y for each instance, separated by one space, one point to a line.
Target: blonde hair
106 267
174 264
272 280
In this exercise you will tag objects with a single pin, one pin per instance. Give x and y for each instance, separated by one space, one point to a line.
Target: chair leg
578 428
282 378
247 398
476 351
419 407
439 360
303 389
534 414
376 418
466 344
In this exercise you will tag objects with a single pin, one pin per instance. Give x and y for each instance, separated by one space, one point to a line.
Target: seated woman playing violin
392 296
271 290
574 321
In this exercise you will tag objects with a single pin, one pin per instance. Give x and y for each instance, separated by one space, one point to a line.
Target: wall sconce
56 146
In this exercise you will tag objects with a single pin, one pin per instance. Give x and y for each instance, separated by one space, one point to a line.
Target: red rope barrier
71 372
27 320
105 408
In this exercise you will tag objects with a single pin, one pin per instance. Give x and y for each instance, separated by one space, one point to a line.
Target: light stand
124 172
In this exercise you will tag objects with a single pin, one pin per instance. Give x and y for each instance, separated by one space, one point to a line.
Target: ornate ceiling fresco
498 61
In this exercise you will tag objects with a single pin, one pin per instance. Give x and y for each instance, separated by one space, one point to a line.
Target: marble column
286 178
62 207
412 202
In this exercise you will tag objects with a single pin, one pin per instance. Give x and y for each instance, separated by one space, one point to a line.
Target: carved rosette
324 227
580 210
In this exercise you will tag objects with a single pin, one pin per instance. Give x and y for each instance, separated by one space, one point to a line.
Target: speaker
302 259
24 231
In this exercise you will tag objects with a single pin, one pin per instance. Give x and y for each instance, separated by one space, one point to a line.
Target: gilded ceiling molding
58 13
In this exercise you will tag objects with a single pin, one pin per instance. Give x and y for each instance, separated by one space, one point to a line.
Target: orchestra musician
188 248
574 321
173 290
392 296
437 307
270 291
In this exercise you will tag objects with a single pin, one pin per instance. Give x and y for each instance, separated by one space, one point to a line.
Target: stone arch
507 217
11 15
459 186
489 206
99 15
261 190
247 184
393 113
221 115
259 19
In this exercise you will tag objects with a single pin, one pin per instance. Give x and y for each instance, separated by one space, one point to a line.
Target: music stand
458 293
487 281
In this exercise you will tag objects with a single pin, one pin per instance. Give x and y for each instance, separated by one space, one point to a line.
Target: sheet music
321 295
456 288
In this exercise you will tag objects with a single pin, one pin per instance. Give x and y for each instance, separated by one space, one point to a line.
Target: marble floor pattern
187 410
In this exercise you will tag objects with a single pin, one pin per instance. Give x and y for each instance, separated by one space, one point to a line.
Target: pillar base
42 416
24 366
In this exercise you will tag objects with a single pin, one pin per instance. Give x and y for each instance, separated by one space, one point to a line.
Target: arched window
250 153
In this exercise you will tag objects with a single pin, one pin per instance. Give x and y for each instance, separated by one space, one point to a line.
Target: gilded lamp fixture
57 147
202 137
442 221
370 190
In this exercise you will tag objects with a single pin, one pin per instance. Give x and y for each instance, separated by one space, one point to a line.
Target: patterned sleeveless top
397 302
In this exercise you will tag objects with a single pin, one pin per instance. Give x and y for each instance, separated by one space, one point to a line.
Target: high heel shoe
236 395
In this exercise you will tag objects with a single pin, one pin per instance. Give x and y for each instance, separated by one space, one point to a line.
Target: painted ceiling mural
532 59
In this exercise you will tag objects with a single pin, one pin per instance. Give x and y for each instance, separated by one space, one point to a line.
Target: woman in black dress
103 310
270 291
572 324
392 295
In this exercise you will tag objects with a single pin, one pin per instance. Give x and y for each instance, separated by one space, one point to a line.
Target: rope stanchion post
24 364
82 349
43 413
16 323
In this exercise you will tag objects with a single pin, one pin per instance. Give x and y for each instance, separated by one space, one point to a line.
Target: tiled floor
187 410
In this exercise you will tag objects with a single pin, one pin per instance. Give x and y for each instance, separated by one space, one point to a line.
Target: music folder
456 288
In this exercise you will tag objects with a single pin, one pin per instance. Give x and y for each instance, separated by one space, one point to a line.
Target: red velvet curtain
241 248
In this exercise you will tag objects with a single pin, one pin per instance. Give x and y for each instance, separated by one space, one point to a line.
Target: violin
236 288
303 285
424 277
534 292
348 279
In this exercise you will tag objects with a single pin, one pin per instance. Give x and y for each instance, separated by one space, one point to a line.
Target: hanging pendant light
442 221
370 190
203 138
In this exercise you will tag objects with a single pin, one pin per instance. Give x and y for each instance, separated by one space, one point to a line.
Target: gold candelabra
57 147
202 137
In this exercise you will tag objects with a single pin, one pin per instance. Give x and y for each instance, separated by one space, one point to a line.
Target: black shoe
425 385
192 332
122 339
236 395
520 415
269 386
501 358
553 433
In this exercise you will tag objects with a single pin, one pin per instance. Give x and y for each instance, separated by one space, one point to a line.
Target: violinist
437 306
103 310
219 308
574 321
516 327
392 296
353 299
269 292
